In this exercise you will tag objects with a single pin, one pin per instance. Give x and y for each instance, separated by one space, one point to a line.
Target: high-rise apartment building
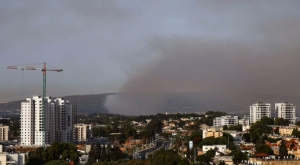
225 120
285 110
259 110
59 121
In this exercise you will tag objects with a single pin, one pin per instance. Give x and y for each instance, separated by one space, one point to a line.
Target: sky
234 47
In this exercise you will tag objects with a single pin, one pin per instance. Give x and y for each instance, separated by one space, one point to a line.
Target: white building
225 120
31 122
245 120
259 110
237 136
11 158
59 121
219 148
286 110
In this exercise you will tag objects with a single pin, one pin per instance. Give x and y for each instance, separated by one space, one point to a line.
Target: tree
196 137
57 162
34 160
276 130
167 157
246 137
266 121
264 149
210 153
281 121
222 163
238 156
282 150
225 127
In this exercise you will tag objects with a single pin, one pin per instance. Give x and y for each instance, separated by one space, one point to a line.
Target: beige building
82 132
211 131
285 130
273 162
4 129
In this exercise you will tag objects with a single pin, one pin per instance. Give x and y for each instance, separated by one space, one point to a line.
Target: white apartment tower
259 110
285 110
59 121
225 120
31 122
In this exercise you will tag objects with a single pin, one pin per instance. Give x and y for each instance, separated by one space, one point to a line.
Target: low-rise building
82 132
237 136
218 148
4 130
226 159
11 158
212 132
267 161
225 120
245 120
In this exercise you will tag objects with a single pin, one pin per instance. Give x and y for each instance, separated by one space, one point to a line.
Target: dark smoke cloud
228 71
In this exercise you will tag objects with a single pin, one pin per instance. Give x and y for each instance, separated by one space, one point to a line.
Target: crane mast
44 70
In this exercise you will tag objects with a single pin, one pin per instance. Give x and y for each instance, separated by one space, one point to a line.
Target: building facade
259 110
286 110
82 132
245 120
225 120
59 121
4 131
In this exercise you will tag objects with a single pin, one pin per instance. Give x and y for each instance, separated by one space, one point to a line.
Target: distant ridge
165 102
85 104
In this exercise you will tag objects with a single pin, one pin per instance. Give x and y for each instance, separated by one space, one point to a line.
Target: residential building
4 131
286 110
60 121
11 158
82 132
285 130
211 131
237 136
259 110
220 148
31 122
225 120
245 120
57 125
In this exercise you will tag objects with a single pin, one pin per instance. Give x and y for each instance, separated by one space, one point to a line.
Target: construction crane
44 70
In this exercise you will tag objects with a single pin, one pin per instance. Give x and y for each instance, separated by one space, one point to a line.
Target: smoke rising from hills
230 72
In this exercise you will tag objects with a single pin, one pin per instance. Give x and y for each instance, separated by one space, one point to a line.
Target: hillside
146 103
85 104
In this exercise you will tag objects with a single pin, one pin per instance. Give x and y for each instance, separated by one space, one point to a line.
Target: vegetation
105 154
57 151
259 128
296 133
281 121
282 150
233 127
238 156
168 157
263 148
